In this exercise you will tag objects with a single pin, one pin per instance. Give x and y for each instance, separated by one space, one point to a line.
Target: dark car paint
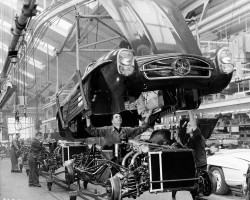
117 86
173 34
106 90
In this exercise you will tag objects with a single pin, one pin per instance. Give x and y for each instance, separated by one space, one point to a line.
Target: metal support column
57 72
197 33
37 127
78 63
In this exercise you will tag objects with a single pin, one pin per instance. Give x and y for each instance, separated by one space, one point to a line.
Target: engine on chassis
142 167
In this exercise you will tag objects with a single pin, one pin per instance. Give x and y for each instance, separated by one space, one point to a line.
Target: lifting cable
24 78
48 66
31 85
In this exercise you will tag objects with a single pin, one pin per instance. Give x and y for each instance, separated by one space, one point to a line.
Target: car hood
231 158
152 27
243 154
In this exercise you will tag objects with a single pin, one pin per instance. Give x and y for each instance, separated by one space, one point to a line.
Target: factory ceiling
46 48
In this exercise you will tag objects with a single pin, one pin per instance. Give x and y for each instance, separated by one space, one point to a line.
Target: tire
68 177
222 187
248 195
45 166
21 167
85 184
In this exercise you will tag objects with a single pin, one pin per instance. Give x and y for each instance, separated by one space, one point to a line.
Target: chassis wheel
248 195
222 187
49 185
69 176
207 182
85 184
21 167
45 166
113 188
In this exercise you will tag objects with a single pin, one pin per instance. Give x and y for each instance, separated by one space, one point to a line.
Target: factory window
25 126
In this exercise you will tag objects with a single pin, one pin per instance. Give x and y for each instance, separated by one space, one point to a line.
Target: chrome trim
181 67
157 69
150 172
143 70
134 157
175 180
170 68
126 157
161 175
118 63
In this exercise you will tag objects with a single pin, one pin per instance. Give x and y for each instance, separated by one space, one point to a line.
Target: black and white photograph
124 99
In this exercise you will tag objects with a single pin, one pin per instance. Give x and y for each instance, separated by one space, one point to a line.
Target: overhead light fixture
13 56
11 4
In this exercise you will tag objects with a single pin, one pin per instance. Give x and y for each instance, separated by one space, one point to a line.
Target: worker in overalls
14 153
36 147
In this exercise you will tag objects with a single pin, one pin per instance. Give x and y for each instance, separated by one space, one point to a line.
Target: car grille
176 67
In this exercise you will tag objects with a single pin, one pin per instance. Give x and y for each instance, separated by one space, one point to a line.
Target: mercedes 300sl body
162 57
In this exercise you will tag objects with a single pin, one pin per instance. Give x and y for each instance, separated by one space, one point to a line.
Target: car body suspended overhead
161 56
152 27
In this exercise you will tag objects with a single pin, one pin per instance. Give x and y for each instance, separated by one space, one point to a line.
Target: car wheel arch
223 187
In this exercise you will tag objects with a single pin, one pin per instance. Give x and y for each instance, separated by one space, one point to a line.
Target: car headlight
225 60
144 148
244 188
225 56
125 62
227 68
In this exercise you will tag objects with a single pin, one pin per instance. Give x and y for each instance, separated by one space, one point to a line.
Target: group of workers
111 134
116 133
35 148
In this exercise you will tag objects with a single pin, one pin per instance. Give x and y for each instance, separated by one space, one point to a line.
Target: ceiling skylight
6 26
42 45
19 81
27 74
36 63
3 46
10 3
92 5
61 26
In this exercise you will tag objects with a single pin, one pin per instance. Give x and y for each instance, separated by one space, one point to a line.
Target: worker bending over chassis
116 133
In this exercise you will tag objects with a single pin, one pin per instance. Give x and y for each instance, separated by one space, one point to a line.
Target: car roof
145 33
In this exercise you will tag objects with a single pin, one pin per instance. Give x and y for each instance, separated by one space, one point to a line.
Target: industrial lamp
13 56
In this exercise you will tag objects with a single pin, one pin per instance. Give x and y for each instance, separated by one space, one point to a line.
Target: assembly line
117 99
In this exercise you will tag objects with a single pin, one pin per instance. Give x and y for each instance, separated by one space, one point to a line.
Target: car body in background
230 167
212 141
228 143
